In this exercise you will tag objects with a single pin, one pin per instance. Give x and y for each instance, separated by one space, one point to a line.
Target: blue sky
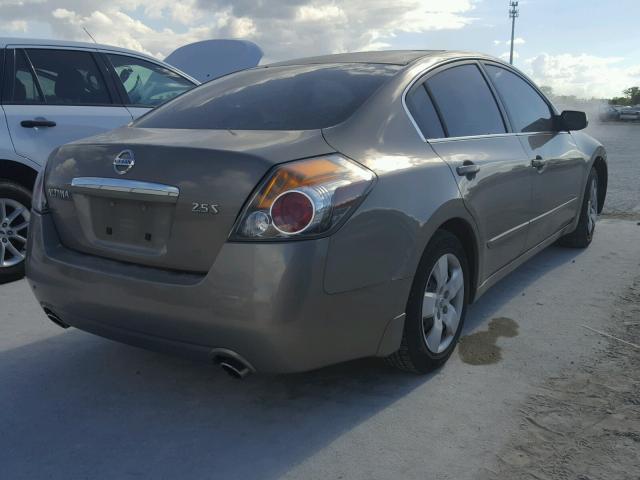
588 48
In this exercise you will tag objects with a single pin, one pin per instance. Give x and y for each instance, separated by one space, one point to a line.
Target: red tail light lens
304 198
292 212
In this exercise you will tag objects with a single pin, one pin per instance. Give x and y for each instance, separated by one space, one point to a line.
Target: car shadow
516 283
77 406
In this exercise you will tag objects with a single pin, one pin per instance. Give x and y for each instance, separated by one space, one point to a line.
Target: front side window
295 97
69 77
465 102
526 108
145 83
22 88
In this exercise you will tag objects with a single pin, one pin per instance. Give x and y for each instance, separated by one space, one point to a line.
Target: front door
557 178
556 164
55 96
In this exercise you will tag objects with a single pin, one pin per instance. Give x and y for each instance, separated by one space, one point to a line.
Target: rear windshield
300 97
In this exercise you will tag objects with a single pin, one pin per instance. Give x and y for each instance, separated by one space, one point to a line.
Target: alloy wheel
443 303
14 224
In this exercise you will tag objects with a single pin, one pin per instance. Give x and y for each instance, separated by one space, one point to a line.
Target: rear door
489 164
55 96
144 85
556 165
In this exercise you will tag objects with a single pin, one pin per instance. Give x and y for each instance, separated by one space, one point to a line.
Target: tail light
39 199
304 199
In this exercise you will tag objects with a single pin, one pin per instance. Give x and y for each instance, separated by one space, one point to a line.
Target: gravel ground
585 423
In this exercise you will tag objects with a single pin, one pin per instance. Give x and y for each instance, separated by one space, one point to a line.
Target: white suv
52 93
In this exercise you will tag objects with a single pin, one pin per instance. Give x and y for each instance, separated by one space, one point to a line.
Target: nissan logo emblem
124 162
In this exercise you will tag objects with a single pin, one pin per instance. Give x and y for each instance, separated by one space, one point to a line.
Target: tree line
631 97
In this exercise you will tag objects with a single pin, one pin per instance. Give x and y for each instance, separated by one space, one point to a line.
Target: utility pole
514 12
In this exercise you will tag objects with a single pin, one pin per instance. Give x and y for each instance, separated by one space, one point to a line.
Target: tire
418 352
15 205
582 236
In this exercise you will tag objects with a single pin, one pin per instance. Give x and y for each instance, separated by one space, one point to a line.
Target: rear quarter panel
414 194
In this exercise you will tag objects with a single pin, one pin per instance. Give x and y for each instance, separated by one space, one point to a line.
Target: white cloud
583 75
311 13
14 26
283 28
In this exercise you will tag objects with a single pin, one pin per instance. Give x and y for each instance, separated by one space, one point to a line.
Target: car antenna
90 36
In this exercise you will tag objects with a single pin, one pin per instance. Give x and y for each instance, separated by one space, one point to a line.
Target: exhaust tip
236 371
55 318
232 363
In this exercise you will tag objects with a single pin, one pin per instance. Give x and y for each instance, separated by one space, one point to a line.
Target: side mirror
571 120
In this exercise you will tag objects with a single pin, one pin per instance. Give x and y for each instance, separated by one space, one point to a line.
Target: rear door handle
37 123
538 162
467 168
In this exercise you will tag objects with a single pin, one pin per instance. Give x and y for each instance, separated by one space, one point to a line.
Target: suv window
465 102
424 113
145 83
69 77
527 110
22 88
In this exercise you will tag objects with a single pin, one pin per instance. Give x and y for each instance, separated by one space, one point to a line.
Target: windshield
300 97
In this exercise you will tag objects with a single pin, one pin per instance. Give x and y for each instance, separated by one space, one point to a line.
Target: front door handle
37 123
538 162
467 169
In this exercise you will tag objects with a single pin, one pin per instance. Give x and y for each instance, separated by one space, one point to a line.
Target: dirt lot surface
584 423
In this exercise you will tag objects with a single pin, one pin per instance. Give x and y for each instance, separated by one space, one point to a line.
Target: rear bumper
265 302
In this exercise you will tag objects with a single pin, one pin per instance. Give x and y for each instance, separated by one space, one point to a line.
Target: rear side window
22 89
424 113
69 77
526 108
145 83
465 102
298 97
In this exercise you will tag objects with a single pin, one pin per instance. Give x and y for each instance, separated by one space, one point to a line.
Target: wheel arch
454 218
464 232
19 173
602 169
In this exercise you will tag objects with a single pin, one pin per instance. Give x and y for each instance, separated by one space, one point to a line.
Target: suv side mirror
570 120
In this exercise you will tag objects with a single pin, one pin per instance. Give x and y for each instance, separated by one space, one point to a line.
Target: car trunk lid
177 204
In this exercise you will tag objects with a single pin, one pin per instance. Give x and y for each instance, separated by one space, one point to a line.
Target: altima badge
124 162
61 193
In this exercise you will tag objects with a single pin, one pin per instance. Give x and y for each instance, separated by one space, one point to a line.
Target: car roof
391 57
4 41
47 42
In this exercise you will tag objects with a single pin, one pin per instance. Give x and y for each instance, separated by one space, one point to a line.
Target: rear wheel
15 205
583 234
436 307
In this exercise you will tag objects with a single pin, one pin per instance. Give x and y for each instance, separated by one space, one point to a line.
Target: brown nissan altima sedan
313 211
